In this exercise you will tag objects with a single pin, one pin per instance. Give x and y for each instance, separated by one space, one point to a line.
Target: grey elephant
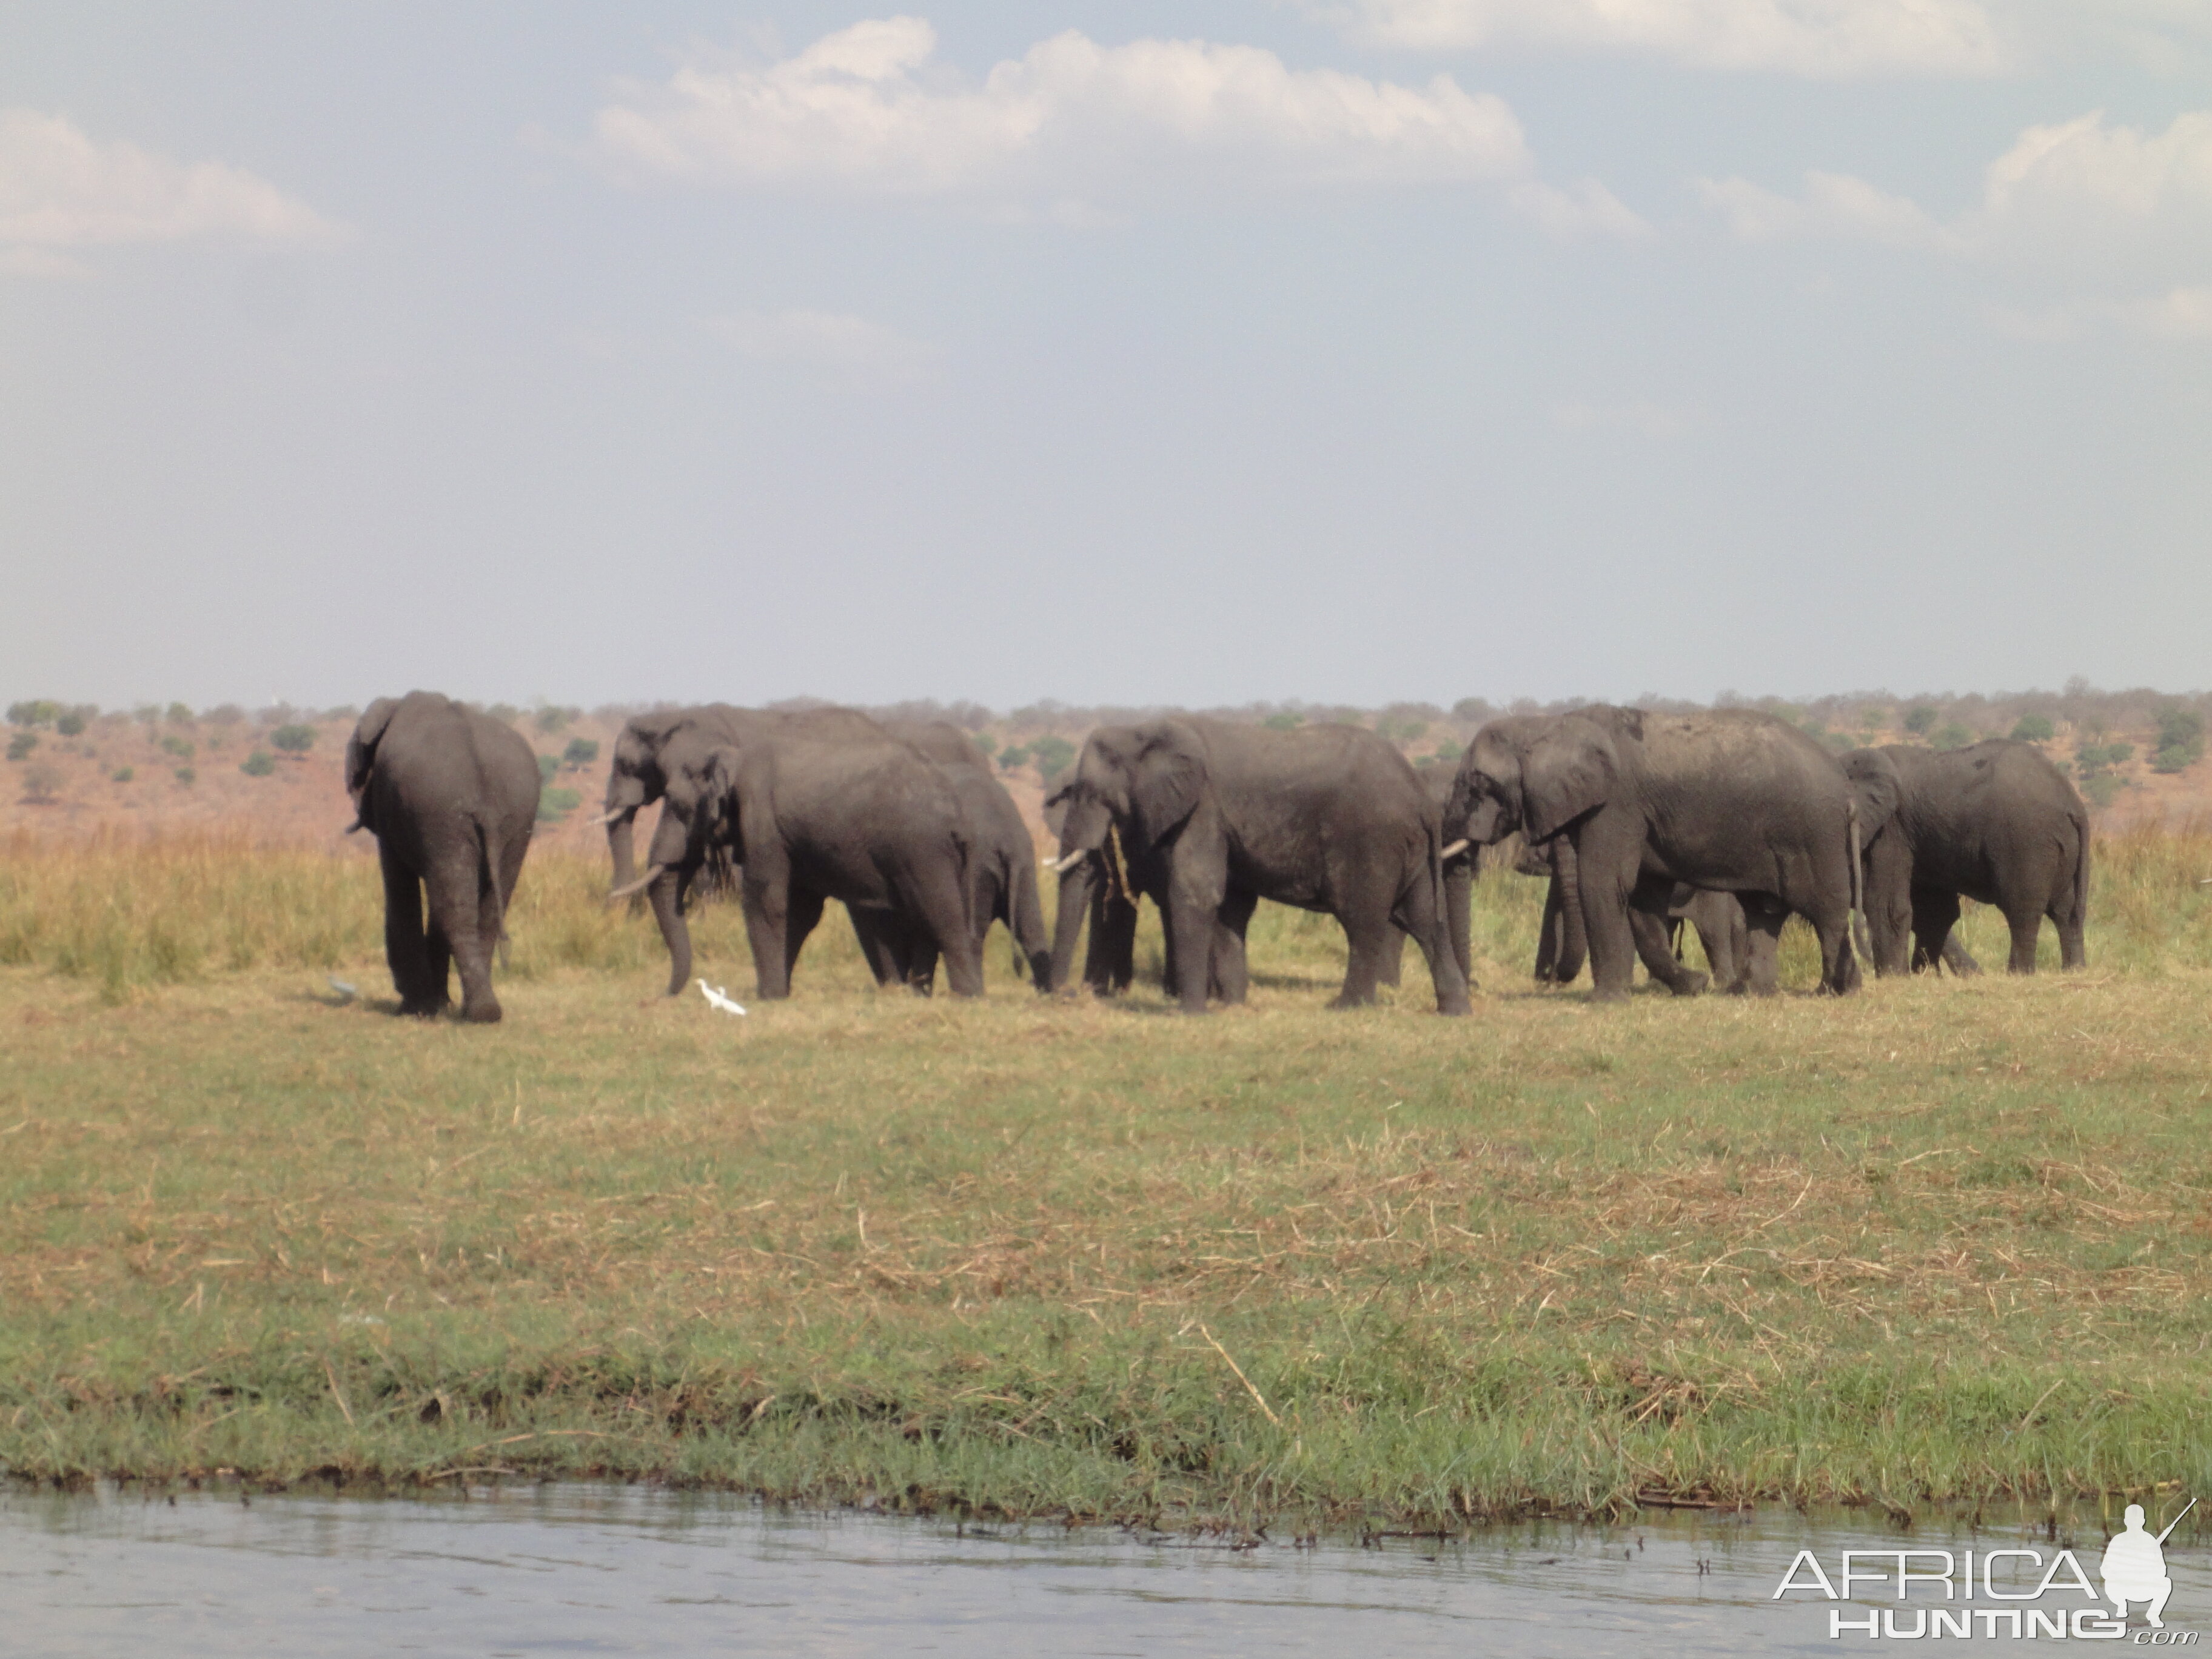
636 778
1658 914
451 796
1002 871
1995 822
1733 801
1220 816
872 824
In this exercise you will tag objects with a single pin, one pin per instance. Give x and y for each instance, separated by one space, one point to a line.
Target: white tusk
609 818
1070 862
653 873
1453 849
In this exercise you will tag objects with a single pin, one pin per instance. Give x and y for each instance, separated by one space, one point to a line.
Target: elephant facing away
1002 871
1733 801
451 796
1994 821
872 824
1220 816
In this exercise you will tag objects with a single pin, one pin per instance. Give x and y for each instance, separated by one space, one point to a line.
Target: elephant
1215 816
1734 801
451 796
1657 913
1995 822
872 824
1003 883
636 778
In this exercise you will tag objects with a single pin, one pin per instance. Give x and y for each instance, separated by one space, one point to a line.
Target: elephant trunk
1574 944
1075 887
1026 921
666 897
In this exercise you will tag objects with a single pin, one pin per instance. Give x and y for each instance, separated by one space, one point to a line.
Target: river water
588 1569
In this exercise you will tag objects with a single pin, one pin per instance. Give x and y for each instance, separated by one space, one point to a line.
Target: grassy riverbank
1945 1240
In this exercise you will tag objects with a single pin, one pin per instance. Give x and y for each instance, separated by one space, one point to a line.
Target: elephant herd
1726 822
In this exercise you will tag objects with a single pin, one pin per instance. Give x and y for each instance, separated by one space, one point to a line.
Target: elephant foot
1600 994
423 1007
1690 983
484 1013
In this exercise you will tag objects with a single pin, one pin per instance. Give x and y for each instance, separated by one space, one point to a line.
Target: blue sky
1351 351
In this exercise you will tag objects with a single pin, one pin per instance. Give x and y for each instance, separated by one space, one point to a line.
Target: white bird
718 997
346 992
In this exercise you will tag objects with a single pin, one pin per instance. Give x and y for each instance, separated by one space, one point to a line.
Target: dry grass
1944 1239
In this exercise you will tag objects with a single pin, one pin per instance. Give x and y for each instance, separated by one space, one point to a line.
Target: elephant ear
1565 773
1170 776
1876 786
361 747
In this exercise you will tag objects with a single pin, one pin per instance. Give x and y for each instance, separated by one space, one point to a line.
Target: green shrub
259 764
1920 719
580 753
177 746
187 776
2034 728
71 724
224 714
1950 735
1284 722
2102 790
42 783
2180 739
1012 757
123 773
987 744
1054 756
293 739
179 714
2094 758
22 745
39 711
1449 750
554 805
547 765
549 720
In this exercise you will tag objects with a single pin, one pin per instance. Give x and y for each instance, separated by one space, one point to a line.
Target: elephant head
1138 782
1536 774
635 779
700 828
1876 788
360 758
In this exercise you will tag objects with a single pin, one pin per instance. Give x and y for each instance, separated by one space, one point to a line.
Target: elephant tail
1858 875
488 885
2082 869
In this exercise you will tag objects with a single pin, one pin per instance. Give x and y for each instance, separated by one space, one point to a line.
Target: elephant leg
1607 847
405 946
1889 898
456 938
1418 916
884 952
2067 921
1935 914
1721 930
767 906
941 920
1109 962
1574 937
1648 928
1226 970
802 915
1839 963
1192 912
1393 960
1762 919
2025 925
1367 938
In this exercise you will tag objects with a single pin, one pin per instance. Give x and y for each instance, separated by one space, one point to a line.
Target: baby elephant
451 796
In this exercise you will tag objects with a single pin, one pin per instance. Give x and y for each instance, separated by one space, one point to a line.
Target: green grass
1942 1241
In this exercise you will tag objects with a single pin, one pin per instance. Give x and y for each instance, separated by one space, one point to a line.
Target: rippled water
590 1570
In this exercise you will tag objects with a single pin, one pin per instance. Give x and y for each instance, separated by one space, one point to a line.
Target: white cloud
1585 208
2181 314
60 189
849 350
1071 127
1834 206
1826 39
